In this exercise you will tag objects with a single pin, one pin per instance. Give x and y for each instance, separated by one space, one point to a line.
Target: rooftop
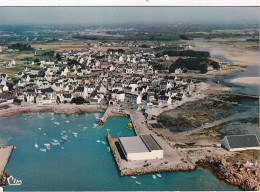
133 144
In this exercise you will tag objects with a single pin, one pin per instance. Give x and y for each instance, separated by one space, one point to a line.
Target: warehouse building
140 148
240 142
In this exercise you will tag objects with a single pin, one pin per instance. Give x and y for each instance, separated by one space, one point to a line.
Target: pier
5 154
106 115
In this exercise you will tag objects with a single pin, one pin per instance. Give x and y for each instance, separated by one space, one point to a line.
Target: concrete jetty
106 115
5 154
149 166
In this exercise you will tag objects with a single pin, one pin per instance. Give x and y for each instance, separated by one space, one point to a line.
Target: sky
130 15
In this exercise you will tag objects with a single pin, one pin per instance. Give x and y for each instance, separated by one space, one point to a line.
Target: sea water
81 163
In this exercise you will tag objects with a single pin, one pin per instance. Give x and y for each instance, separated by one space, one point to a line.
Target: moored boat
159 175
43 150
48 146
154 176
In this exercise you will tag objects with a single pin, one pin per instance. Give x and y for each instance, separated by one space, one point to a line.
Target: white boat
43 150
36 145
95 125
75 134
48 146
56 123
65 137
62 147
98 141
138 183
55 143
55 140
67 121
108 149
52 118
134 177
15 181
159 175
40 128
154 176
44 133
103 142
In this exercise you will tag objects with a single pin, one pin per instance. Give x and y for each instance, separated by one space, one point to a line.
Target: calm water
252 71
83 164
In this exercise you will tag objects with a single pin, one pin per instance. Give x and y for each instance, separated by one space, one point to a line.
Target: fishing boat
154 176
36 145
103 142
134 177
138 183
56 123
48 146
159 175
98 141
15 181
67 121
55 143
55 140
40 128
75 134
130 126
65 137
43 150
108 149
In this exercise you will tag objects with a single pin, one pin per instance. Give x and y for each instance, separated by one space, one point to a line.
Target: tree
204 68
215 65
58 56
41 73
73 62
78 100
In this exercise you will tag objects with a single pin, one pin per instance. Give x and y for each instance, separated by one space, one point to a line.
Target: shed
240 142
140 148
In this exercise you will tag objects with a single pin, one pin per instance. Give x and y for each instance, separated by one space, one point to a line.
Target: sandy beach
247 80
238 56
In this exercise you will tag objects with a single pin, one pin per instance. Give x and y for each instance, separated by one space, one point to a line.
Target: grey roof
133 144
151 142
241 141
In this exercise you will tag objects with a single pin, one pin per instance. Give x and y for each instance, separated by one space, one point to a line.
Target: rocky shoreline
246 178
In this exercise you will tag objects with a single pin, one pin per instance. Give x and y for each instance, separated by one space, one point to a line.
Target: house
133 98
118 95
165 100
240 142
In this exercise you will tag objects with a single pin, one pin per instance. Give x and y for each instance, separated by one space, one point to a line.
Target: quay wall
5 154
158 166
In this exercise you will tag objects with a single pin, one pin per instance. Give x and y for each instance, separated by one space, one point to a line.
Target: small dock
5 154
106 115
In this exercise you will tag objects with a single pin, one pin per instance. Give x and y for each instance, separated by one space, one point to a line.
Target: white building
142 147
